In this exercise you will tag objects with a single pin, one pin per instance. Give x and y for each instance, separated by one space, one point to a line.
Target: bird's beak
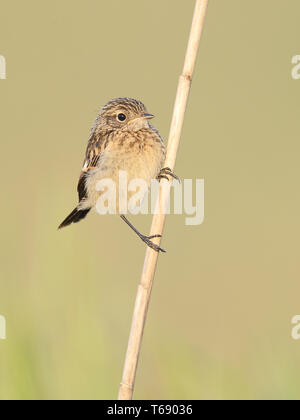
148 116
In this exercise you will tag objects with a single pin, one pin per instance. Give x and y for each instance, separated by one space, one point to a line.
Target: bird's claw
154 236
165 173
147 240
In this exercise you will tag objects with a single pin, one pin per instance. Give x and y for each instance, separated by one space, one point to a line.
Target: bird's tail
74 217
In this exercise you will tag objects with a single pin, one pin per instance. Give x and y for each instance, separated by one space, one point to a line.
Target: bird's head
124 114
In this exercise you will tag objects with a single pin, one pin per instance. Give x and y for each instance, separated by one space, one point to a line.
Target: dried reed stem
145 286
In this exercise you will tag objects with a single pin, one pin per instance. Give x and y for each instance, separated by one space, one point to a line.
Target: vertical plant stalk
145 286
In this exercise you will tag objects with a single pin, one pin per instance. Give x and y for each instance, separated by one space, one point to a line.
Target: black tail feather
74 217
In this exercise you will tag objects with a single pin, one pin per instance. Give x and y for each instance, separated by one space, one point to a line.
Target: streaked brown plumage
121 140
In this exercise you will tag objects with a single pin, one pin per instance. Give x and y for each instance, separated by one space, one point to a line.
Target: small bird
121 139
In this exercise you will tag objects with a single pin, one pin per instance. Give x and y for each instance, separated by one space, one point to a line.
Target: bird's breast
139 155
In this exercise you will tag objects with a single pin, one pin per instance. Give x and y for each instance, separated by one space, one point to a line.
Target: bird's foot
147 240
165 173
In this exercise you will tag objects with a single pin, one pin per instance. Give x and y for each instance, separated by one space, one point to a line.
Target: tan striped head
124 114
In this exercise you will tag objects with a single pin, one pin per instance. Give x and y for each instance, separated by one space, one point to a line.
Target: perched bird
121 139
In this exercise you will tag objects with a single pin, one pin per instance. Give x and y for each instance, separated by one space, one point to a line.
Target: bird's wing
95 147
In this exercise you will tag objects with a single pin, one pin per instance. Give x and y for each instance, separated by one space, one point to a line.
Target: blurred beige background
219 324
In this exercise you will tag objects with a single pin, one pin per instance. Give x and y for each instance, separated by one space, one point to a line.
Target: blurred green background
219 324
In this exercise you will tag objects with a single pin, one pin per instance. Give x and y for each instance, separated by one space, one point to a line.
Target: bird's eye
121 117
